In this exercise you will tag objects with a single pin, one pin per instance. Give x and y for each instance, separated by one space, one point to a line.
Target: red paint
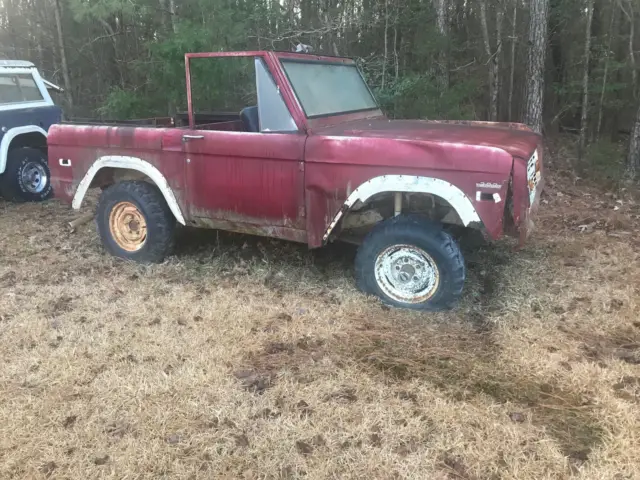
291 185
252 177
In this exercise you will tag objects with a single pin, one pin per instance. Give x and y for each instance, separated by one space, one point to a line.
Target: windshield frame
337 62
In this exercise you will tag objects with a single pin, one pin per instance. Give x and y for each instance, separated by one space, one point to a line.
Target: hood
515 139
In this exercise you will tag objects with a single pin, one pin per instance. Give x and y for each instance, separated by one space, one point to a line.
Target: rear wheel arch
115 168
30 136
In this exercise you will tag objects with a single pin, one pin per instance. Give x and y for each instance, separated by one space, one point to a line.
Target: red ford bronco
309 158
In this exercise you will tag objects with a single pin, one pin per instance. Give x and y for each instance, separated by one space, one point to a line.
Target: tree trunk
10 11
172 13
633 161
582 143
493 89
62 52
386 30
631 51
168 16
395 45
163 15
535 65
630 14
514 42
442 60
494 57
605 75
498 59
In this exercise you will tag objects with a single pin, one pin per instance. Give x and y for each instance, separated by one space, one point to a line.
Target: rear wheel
26 177
411 262
135 222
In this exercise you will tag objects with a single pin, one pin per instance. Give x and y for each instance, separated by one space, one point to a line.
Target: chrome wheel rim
407 274
34 178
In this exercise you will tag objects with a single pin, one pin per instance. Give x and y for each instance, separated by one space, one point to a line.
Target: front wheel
135 222
26 177
410 262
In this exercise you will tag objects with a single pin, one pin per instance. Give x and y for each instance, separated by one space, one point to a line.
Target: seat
250 119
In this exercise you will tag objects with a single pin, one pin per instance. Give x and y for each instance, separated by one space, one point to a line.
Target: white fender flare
8 138
130 163
409 184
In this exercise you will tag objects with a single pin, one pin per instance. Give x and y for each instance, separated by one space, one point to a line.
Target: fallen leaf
375 439
101 460
47 468
284 316
69 421
242 440
318 441
587 228
517 417
344 394
304 448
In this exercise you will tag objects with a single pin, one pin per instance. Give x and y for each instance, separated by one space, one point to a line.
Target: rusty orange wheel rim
128 226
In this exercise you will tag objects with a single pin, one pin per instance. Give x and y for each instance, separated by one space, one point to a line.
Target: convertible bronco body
313 160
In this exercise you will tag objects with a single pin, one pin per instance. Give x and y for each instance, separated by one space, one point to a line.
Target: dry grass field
247 358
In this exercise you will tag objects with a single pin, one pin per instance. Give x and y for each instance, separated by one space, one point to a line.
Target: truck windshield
325 89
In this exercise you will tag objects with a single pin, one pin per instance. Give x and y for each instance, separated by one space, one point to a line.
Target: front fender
410 184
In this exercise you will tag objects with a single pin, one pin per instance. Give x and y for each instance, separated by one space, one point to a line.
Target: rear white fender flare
8 138
129 163
409 184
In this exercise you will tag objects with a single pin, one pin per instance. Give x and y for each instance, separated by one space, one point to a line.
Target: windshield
328 88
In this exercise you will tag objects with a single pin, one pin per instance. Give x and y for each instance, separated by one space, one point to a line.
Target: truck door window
222 88
273 114
29 88
18 88
9 90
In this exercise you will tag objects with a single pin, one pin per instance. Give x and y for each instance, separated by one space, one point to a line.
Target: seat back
250 119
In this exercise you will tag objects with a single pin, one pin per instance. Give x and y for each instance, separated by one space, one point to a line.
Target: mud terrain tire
410 262
26 177
134 222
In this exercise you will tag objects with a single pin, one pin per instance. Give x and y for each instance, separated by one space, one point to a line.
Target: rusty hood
516 139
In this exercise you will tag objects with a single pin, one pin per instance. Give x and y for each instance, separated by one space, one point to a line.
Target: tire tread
424 230
9 188
156 212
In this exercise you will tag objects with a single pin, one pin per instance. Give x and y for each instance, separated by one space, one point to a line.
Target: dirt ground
250 358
